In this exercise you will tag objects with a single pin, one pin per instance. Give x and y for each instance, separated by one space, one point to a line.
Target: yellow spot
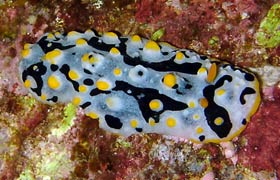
111 34
93 115
43 97
110 102
82 88
152 122
203 102
218 121
25 53
199 130
53 82
133 123
171 122
152 45
72 33
50 36
169 80
220 92
212 73
102 85
81 42
52 55
135 38
114 51
117 71
201 70
196 116
93 60
155 105
191 104
73 75
76 101
89 31
27 46
27 83
57 34
179 56
85 57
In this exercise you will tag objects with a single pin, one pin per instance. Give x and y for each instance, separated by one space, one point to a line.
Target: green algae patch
214 41
67 122
122 143
268 34
158 34
27 174
50 164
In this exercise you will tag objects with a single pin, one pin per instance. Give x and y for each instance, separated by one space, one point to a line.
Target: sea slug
133 85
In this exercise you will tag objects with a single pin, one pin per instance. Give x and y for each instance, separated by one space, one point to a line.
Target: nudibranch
134 85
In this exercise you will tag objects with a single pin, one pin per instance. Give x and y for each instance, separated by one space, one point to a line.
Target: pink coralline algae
195 24
262 147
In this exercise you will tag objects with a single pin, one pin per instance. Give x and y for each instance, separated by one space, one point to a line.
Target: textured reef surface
39 141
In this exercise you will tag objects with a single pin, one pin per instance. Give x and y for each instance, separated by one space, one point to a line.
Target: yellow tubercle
155 105
152 45
212 73
111 34
203 102
191 104
110 102
171 122
53 82
201 70
27 83
199 130
57 34
218 121
220 92
27 46
152 122
72 33
93 115
50 36
169 80
89 31
53 55
117 72
76 101
134 123
44 97
196 117
73 75
25 53
93 59
136 38
81 42
114 51
85 57
179 56
102 85
82 88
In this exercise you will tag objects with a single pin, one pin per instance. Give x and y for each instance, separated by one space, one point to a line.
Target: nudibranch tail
132 85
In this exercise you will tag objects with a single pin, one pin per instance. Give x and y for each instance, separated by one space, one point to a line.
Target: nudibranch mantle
133 85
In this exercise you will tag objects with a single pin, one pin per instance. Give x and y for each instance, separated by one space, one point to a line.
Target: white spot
114 103
138 74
